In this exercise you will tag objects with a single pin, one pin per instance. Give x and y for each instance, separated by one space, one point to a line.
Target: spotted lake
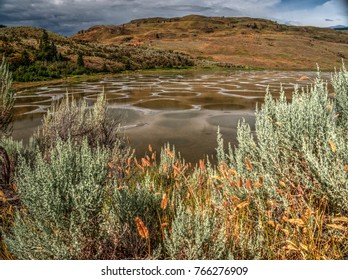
184 110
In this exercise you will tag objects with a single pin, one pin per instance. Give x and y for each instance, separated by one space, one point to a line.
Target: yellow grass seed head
308 213
272 224
340 219
271 203
242 204
298 222
188 195
233 172
234 198
177 171
201 165
303 78
145 162
142 229
333 146
304 247
291 246
248 164
240 183
170 153
339 227
248 184
282 184
278 227
216 178
164 201
257 184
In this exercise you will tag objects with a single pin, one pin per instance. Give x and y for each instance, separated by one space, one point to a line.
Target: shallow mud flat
184 110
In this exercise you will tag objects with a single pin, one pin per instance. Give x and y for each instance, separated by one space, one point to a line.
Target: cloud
187 8
317 15
69 16
329 19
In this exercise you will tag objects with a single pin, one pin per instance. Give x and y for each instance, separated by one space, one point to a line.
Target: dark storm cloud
59 16
69 16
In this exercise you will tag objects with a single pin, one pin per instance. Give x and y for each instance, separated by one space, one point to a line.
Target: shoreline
18 86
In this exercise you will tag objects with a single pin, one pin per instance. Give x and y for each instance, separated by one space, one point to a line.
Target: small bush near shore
77 121
282 193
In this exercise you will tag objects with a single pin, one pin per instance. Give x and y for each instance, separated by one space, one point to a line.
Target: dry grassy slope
14 40
245 41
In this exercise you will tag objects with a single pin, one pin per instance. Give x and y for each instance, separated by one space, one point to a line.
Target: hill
339 27
239 41
36 54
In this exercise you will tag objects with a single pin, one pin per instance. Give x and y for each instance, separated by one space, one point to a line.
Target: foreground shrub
292 173
61 179
301 143
6 99
76 121
196 236
127 205
63 198
6 116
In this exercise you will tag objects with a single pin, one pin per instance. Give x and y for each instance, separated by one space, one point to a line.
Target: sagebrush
281 193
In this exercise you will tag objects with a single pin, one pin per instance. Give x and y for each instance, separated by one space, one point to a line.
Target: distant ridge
155 42
250 42
339 27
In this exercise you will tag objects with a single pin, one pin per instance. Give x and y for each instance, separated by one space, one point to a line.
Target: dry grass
233 40
6 220
305 230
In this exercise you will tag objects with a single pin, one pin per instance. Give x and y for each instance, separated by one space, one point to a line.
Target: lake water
184 110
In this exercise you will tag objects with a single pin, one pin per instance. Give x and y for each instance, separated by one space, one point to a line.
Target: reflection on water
184 110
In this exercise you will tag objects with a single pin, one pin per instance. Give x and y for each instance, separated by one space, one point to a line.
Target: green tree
47 50
25 59
80 61
53 53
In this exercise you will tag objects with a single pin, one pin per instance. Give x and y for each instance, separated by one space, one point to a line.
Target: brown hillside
97 57
240 41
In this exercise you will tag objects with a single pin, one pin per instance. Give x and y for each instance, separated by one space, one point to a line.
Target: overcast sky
69 16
